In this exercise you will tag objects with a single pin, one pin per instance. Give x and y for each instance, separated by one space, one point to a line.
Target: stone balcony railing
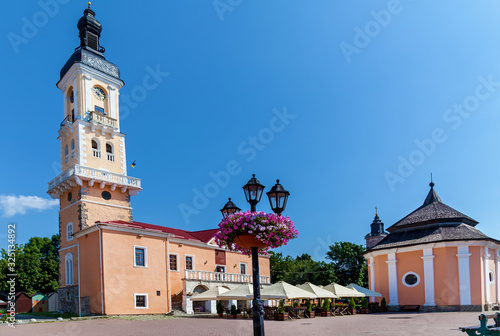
87 173
102 119
222 277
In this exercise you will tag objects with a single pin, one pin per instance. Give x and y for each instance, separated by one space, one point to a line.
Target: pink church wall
381 277
446 286
476 267
410 262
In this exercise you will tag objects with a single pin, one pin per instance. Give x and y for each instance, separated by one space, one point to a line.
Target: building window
220 269
141 301
99 109
69 231
173 262
109 152
243 268
411 279
106 195
140 256
70 196
189 262
66 155
68 262
491 276
72 148
96 150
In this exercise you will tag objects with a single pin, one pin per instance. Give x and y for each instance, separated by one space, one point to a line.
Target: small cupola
90 31
377 232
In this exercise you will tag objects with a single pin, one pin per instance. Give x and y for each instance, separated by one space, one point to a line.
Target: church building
434 258
109 263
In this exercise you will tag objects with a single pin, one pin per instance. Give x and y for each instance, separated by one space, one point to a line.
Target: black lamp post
229 208
278 197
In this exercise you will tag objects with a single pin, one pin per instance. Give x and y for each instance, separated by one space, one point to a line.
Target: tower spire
89 31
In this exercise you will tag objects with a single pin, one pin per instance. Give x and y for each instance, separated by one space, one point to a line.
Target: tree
37 266
348 263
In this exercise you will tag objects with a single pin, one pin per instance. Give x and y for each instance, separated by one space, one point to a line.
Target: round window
411 279
70 196
106 195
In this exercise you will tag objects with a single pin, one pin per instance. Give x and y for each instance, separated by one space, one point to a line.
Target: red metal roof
203 236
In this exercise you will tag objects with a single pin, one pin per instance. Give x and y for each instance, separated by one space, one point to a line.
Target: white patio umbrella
210 294
342 291
364 290
283 290
243 292
318 291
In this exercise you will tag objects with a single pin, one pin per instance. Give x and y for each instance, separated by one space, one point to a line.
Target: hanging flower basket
243 230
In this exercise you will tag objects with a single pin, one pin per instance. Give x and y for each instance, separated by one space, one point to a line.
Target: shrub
281 307
296 304
326 304
352 304
364 303
219 307
383 303
234 311
308 305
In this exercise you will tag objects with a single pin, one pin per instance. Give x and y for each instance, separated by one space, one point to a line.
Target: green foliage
296 304
219 307
364 302
326 304
281 307
234 311
352 304
309 305
37 266
383 303
301 269
348 264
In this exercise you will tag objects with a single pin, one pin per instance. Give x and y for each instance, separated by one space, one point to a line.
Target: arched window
66 156
68 262
109 152
72 148
69 231
96 150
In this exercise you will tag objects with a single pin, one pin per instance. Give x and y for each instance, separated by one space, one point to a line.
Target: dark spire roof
377 227
432 211
90 51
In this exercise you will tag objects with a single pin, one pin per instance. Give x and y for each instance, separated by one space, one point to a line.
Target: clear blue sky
369 84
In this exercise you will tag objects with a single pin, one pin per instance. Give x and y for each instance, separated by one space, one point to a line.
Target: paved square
441 324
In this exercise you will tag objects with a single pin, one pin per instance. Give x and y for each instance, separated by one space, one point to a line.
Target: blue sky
353 105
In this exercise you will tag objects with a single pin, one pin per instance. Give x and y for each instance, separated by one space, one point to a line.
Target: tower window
106 195
96 151
68 262
72 97
99 109
66 156
69 231
92 41
109 152
72 148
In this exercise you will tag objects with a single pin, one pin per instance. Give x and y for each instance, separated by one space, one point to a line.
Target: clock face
98 93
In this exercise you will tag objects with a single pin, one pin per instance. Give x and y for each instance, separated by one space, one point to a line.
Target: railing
96 153
96 174
222 277
102 119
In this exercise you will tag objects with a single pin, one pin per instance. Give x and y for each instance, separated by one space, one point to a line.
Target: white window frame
110 156
135 300
68 235
192 258
177 263
72 148
246 268
96 152
408 273
223 266
145 256
491 275
68 268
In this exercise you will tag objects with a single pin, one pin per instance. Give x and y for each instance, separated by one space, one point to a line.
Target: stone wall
68 299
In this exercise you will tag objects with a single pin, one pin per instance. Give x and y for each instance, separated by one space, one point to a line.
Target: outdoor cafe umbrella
342 291
210 294
283 290
318 291
364 290
243 292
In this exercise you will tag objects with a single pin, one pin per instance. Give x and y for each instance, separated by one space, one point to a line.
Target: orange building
434 258
110 264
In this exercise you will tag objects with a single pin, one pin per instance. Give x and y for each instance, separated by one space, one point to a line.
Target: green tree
348 263
37 266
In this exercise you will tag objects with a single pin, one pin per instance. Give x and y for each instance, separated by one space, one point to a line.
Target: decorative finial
376 211
90 3
432 183
253 175
229 198
278 181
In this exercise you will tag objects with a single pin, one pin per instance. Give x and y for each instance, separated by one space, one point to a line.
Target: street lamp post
278 197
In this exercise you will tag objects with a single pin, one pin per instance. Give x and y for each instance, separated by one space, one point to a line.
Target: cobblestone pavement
400 324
